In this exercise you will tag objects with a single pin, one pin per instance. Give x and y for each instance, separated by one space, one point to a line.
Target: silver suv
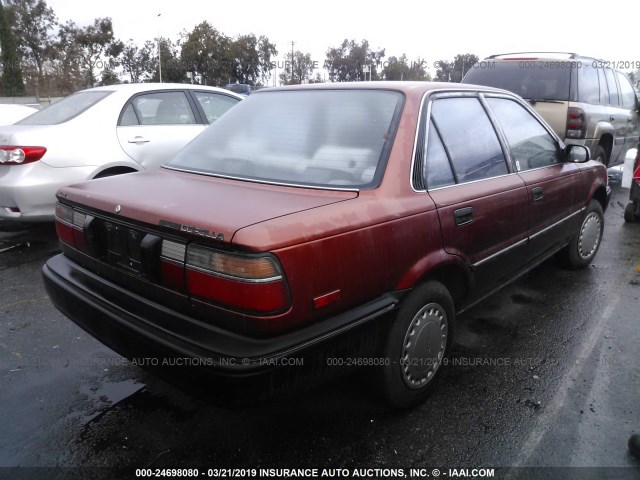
584 100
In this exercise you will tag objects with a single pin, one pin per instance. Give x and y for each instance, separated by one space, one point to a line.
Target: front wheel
586 242
418 342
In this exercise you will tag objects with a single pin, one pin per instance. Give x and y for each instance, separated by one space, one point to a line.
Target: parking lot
544 374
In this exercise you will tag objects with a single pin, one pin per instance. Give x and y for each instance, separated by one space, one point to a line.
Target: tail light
251 283
67 227
576 123
21 155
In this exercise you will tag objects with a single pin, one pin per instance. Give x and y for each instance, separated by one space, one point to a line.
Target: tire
600 155
630 212
586 242
418 342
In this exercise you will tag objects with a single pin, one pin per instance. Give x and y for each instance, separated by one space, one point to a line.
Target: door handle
138 139
612 118
463 216
537 193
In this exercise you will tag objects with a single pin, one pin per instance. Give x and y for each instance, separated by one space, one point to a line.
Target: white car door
154 126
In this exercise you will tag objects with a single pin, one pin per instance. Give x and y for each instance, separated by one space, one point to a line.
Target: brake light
247 283
251 283
576 124
172 265
21 155
69 225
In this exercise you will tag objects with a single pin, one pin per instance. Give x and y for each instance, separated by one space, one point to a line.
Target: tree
251 58
456 70
401 69
93 45
33 22
137 62
207 55
174 69
303 68
12 84
345 62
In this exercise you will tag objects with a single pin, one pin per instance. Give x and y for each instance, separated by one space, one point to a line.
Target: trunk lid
197 205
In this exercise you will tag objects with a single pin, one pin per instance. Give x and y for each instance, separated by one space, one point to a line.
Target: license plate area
123 247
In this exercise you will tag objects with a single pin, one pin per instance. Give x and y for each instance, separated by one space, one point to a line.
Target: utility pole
159 55
292 43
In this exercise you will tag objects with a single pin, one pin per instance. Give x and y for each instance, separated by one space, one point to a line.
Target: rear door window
626 92
604 89
530 143
613 88
438 168
588 84
214 104
158 108
469 137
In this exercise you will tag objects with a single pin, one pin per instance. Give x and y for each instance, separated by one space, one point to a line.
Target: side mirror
576 154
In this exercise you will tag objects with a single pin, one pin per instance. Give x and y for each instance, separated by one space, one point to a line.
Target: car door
630 107
555 189
617 116
482 206
154 126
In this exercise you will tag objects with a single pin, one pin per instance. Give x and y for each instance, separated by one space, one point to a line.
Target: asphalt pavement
544 381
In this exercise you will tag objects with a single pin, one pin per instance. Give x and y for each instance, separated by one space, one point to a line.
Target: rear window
539 80
65 109
324 138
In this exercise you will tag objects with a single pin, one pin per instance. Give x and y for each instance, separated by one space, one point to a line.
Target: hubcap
424 345
589 236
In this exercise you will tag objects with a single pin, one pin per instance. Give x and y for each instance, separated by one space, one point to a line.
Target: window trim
422 130
424 117
203 115
535 116
197 116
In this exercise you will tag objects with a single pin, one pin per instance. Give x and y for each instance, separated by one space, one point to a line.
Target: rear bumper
28 192
152 335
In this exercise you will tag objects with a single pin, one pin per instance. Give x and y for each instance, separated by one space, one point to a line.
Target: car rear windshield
65 109
531 79
321 138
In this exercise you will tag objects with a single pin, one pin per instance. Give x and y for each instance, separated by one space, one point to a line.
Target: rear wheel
630 212
585 243
600 155
418 342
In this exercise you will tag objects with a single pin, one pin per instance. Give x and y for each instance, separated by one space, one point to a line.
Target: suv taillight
576 124
21 155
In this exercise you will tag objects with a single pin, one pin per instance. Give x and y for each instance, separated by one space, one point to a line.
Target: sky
429 31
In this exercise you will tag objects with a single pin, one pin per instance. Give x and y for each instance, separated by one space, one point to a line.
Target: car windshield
65 109
323 138
531 79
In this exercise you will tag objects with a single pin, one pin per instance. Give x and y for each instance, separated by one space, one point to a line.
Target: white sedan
99 132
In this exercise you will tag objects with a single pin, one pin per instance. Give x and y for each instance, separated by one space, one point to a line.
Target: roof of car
386 85
143 87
